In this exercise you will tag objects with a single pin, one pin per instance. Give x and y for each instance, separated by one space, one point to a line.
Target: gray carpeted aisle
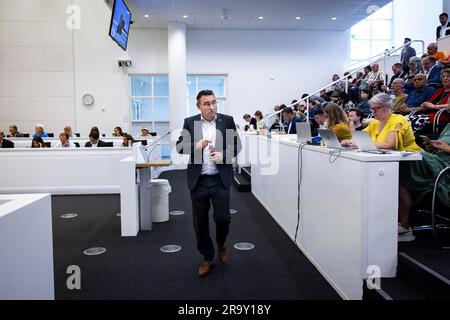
135 268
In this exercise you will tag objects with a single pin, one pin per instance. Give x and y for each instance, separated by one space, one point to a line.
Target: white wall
446 6
45 68
416 19
36 65
298 62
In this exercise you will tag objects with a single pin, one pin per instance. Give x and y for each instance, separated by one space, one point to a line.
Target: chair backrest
77 144
51 135
109 144
77 135
48 144
144 142
26 135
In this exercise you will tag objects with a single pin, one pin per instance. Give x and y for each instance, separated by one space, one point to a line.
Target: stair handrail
382 56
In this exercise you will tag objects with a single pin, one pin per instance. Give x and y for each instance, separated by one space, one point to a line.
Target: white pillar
177 85
177 74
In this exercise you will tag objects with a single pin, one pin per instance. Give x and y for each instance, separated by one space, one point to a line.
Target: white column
177 74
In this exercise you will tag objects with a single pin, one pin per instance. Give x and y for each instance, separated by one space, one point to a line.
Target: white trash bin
160 200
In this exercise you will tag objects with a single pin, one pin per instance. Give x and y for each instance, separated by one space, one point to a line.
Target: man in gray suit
211 140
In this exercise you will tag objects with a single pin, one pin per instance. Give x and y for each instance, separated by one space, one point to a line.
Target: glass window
141 86
196 83
141 109
216 84
150 103
361 30
373 35
381 29
379 46
191 86
161 86
360 49
161 109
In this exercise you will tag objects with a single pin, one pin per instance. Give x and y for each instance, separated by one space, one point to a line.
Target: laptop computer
303 131
329 138
365 143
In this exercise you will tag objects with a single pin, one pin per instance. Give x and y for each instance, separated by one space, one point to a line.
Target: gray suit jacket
227 142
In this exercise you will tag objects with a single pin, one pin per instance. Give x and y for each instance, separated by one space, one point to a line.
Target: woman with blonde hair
68 130
337 121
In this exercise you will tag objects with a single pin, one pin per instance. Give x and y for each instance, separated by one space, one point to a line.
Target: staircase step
247 173
422 278
393 289
241 183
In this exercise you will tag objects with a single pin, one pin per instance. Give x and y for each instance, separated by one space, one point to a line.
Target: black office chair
439 213
26 135
51 135
48 144
77 135
144 142
109 144
76 144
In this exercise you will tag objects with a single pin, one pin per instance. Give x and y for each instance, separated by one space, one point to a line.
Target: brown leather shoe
223 254
205 268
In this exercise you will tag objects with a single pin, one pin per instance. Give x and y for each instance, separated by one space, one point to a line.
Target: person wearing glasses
388 130
211 141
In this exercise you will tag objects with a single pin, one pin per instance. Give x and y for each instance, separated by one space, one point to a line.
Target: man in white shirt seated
64 141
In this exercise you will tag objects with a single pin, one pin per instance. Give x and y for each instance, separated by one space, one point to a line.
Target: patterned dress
419 176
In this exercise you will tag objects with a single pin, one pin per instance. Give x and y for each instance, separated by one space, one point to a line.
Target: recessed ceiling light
297 18
260 18
146 16
334 18
185 16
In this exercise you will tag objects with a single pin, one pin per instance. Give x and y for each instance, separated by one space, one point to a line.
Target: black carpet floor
135 268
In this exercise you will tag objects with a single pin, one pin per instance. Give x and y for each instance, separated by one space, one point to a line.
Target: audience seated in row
4 143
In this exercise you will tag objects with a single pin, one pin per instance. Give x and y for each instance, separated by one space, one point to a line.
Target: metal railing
375 59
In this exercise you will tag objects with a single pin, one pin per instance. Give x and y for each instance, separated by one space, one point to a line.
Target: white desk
135 195
117 141
62 171
26 247
348 208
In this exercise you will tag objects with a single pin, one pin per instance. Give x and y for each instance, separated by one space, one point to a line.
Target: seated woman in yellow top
337 121
388 130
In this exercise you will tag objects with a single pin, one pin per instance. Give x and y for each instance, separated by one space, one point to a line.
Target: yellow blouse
342 131
405 140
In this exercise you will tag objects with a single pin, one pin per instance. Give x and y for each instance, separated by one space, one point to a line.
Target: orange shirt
440 56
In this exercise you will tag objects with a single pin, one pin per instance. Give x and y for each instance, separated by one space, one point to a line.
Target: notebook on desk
365 143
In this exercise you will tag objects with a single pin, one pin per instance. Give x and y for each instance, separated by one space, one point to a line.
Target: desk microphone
154 144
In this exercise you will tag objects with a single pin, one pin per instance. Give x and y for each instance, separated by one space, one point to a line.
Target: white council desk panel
62 171
117 141
348 206
26 247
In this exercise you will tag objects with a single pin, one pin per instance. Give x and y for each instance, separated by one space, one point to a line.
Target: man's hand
202 144
217 157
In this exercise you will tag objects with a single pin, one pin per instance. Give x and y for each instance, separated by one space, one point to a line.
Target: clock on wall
88 99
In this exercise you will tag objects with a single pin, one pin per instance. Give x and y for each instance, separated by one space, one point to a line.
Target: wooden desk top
153 164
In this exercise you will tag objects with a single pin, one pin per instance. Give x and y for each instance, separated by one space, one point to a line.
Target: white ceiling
244 14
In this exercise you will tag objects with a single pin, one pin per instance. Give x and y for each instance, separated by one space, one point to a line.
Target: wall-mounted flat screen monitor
120 23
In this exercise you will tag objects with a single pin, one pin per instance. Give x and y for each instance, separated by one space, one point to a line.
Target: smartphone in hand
425 139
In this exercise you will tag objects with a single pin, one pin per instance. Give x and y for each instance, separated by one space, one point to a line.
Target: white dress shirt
209 168
68 145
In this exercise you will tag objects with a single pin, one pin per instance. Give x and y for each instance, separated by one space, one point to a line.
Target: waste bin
160 200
